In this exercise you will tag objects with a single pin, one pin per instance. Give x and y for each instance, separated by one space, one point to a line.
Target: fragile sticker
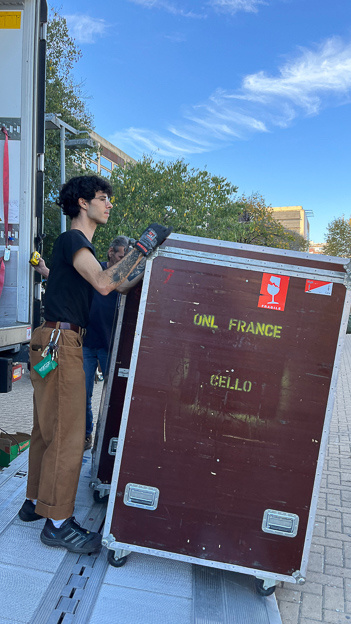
318 288
274 289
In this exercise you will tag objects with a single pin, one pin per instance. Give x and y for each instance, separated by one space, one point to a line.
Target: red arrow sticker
170 273
273 293
318 288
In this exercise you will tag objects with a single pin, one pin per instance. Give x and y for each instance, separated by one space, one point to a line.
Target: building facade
316 248
293 218
107 156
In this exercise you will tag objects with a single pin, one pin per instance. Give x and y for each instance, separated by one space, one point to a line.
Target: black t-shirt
68 295
102 314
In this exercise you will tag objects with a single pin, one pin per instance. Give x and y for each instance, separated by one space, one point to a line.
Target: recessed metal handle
112 447
143 496
280 523
123 372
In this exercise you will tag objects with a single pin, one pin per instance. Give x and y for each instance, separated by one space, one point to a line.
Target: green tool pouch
49 354
45 366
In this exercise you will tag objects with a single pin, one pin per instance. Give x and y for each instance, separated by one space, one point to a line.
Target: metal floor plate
51 586
222 597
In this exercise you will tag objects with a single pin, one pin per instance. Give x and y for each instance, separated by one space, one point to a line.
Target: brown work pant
57 440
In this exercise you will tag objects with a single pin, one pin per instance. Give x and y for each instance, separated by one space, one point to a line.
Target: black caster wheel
262 591
116 563
99 499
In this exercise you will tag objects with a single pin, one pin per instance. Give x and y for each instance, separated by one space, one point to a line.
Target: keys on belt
64 325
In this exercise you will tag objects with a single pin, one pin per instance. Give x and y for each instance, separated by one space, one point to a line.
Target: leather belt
64 325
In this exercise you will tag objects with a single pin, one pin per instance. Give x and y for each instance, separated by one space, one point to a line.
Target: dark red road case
113 393
227 407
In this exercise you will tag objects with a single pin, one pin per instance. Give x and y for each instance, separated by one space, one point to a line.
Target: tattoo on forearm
123 269
140 268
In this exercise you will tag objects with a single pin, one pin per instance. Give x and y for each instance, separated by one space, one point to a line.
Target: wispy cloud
139 141
177 7
234 6
314 79
86 29
176 37
170 6
309 79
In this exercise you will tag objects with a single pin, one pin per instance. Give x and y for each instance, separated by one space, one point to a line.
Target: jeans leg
102 357
90 362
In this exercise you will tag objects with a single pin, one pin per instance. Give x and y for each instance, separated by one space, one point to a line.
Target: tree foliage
191 200
338 238
259 227
64 98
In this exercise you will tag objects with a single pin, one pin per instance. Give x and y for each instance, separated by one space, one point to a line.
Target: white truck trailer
22 101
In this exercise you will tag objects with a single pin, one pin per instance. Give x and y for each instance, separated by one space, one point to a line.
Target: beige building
106 157
293 218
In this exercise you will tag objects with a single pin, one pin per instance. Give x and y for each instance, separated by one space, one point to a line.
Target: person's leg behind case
90 362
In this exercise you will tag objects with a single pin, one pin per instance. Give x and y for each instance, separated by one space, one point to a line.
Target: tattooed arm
124 275
134 277
121 276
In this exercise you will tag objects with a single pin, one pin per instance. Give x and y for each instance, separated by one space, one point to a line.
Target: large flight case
227 407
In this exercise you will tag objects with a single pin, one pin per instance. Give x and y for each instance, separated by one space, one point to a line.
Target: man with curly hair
57 440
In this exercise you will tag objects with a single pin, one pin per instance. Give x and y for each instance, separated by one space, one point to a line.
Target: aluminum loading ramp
42 585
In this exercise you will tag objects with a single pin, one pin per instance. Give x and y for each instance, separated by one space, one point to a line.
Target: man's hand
153 236
42 269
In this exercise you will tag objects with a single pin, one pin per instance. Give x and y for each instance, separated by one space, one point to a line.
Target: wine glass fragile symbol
273 287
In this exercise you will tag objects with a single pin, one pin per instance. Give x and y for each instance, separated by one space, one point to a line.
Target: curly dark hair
81 186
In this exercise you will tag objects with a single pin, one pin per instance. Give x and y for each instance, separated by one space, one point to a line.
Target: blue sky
258 91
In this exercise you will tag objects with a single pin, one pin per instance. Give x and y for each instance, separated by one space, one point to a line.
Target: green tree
338 238
259 226
64 98
192 201
297 242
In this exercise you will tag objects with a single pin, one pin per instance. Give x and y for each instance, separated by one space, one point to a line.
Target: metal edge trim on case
272 251
128 395
104 402
260 266
347 280
110 543
204 562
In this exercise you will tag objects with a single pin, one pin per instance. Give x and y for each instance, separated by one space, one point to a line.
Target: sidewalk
16 407
326 596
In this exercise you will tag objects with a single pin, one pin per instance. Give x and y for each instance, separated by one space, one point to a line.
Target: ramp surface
42 585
